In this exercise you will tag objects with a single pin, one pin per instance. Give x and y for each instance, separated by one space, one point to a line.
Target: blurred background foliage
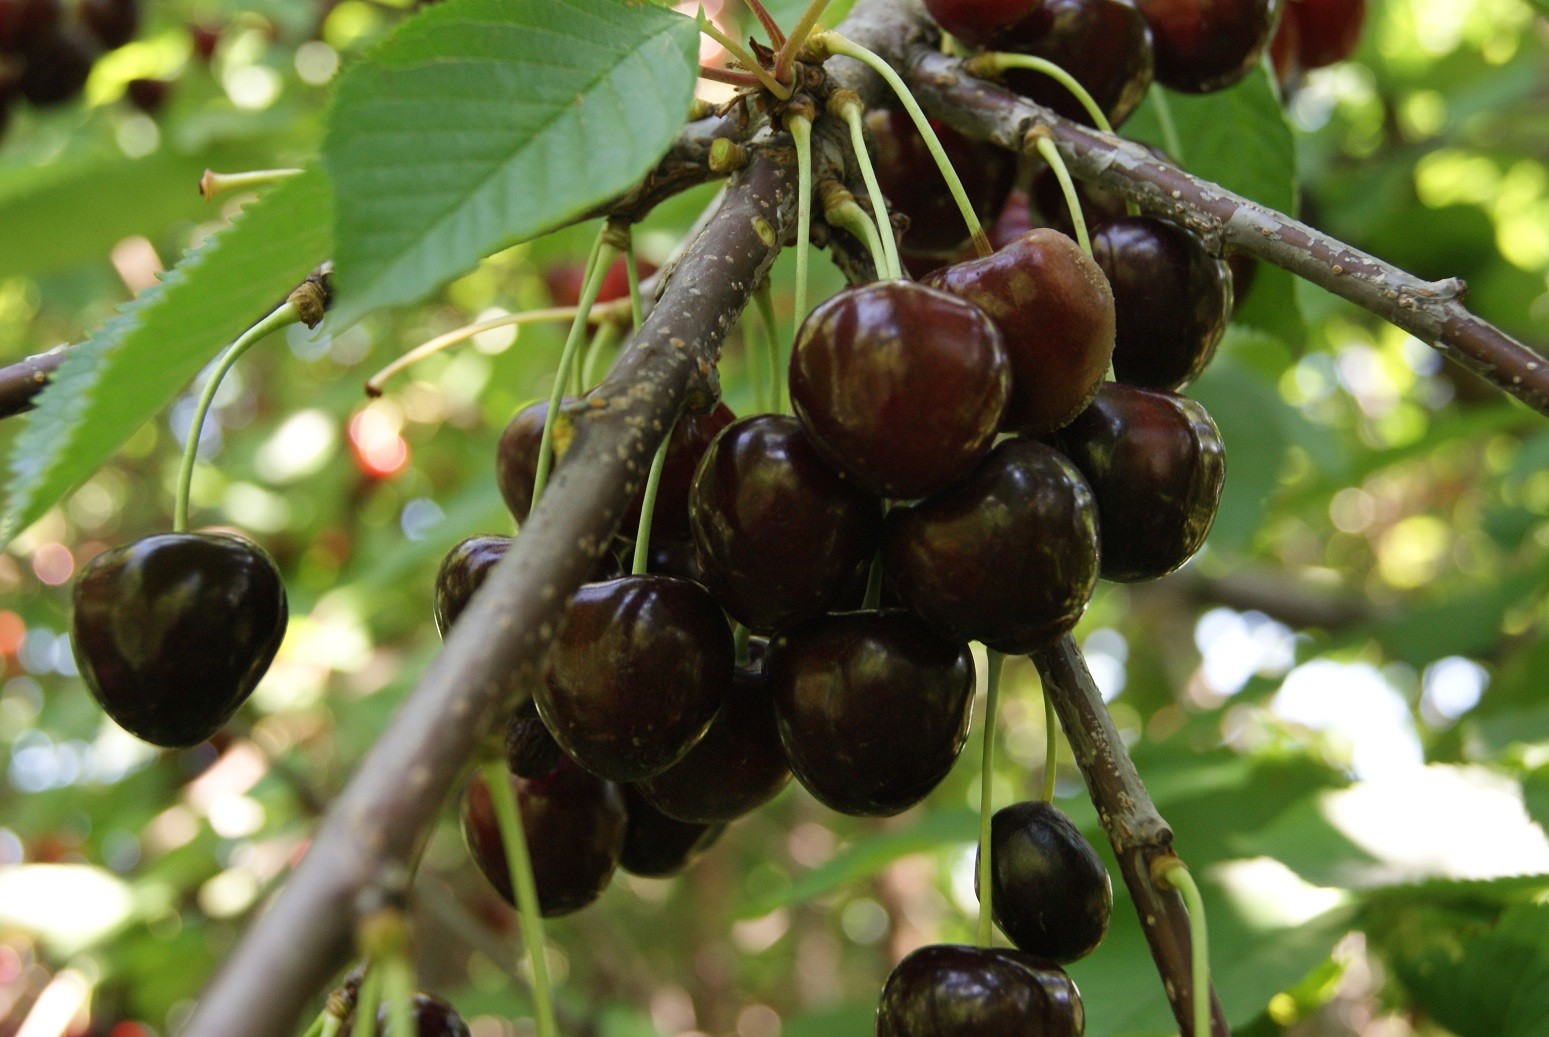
1339 705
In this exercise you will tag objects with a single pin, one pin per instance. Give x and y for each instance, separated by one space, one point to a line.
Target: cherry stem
596 268
451 338
332 1024
992 64
315 1027
852 115
764 301
366 1003
398 988
800 128
1164 117
771 27
798 38
283 316
213 183
739 639
986 786
1051 155
653 481
873 596
528 915
834 43
728 76
848 215
606 336
1173 872
746 60
1051 748
632 271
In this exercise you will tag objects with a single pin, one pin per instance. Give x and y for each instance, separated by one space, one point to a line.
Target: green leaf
1492 983
135 364
481 123
1252 419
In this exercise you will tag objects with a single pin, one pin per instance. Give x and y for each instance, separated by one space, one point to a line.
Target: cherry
1015 220
467 564
978 22
738 765
655 845
565 281
872 708
1172 299
1056 311
780 535
636 672
893 355
946 990
531 751
1104 44
1008 556
23 23
674 558
1156 465
433 1017
913 184
1205 45
1327 30
574 824
148 95
1052 896
56 66
113 22
1285 49
173 631
516 458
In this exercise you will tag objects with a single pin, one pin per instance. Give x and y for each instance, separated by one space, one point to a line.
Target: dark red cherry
467 564
691 437
946 990
173 632
113 22
148 95
872 708
1104 44
26 23
636 672
1008 556
978 22
656 845
565 281
1327 30
738 765
574 824
873 361
1155 463
1055 311
780 535
674 558
516 458
1015 220
1052 896
433 1017
1285 49
1206 45
1172 299
531 751
56 67
914 186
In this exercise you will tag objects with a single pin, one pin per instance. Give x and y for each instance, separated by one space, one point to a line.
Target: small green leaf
481 123
135 364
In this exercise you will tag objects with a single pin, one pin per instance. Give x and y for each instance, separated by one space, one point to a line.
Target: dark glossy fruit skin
978 22
780 535
1052 895
893 355
1328 31
1156 465
173 632
467 564
433 1017
531 751
1172 299
113 22
1105 44
1055 311
914 186
574 823
737 767
872 708
947 990
691 437
1008 556
565 281
516 458
655 845
1207 45
635 674
56 66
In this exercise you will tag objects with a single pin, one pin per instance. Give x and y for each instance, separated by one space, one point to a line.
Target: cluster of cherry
46 52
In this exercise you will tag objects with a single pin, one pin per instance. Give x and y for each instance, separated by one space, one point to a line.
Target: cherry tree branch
1431 311
362 851
23 380
1139 835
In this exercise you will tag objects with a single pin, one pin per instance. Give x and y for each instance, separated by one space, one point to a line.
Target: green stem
213 183
1177 874
1051 155
1164 117
596 349
284 315
332 1024
986 784
996 63
798 38
1051 747
764 299
746 60
849 216
837 44
528 915
366 1003
315 1028
398 987
801 132
653 481
596 269
636 304
852 115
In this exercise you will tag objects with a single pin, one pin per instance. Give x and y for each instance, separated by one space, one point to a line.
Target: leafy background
1338 706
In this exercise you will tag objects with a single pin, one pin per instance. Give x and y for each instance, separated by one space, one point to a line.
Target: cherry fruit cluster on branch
47 50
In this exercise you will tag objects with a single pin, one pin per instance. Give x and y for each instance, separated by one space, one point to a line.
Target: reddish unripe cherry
1207 45
978 22
1328 30
914 186
565 281
1172 299
1056 313
781 536
1008 556
1156 465
894 355
1104 44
